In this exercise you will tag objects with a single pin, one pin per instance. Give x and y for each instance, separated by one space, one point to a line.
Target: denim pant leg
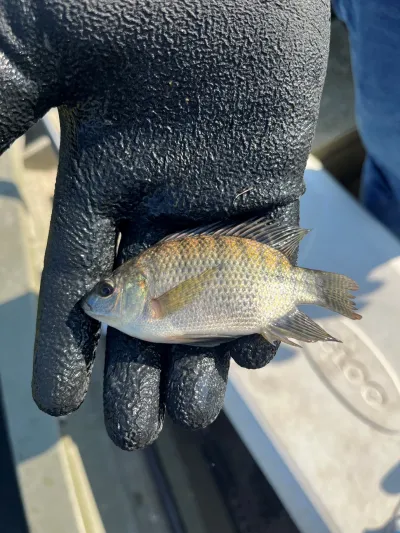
380 193
374 31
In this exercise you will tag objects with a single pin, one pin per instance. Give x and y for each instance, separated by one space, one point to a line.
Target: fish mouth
88 309
86 306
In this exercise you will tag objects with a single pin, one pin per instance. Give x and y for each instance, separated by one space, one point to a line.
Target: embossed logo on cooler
359 375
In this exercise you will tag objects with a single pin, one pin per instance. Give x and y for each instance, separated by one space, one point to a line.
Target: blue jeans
374 31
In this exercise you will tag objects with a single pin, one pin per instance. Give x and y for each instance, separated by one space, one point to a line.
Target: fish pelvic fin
182 295
332 291
202 340
297 326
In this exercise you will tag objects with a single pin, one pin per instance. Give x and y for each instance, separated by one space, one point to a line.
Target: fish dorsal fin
283 238
182 295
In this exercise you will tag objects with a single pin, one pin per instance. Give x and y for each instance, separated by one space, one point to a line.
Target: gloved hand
173 114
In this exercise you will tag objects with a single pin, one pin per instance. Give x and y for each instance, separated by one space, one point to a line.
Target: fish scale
243 293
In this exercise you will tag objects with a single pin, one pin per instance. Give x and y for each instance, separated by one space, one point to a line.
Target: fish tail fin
332 291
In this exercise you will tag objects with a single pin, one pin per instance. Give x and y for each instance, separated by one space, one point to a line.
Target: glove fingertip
133 397
196 386
128 437
54 406
252 352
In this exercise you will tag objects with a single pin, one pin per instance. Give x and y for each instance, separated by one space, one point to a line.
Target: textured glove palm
169 111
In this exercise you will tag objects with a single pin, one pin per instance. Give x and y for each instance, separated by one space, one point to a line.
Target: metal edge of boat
55 493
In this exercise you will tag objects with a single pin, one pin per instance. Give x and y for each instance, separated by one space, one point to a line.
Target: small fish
208 286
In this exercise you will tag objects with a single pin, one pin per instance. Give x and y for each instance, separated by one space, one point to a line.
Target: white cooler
323 422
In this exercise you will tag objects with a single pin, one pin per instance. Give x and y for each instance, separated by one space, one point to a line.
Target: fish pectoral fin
181 295
297 325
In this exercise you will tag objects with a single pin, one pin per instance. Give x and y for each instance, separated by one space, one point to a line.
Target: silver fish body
218 283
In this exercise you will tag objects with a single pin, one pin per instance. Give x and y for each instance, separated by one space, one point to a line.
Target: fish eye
105 289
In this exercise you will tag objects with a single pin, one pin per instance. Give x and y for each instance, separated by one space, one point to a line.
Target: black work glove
173 114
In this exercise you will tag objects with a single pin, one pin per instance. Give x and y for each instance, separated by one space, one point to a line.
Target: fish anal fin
181 295
268 336
272 335
297 325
